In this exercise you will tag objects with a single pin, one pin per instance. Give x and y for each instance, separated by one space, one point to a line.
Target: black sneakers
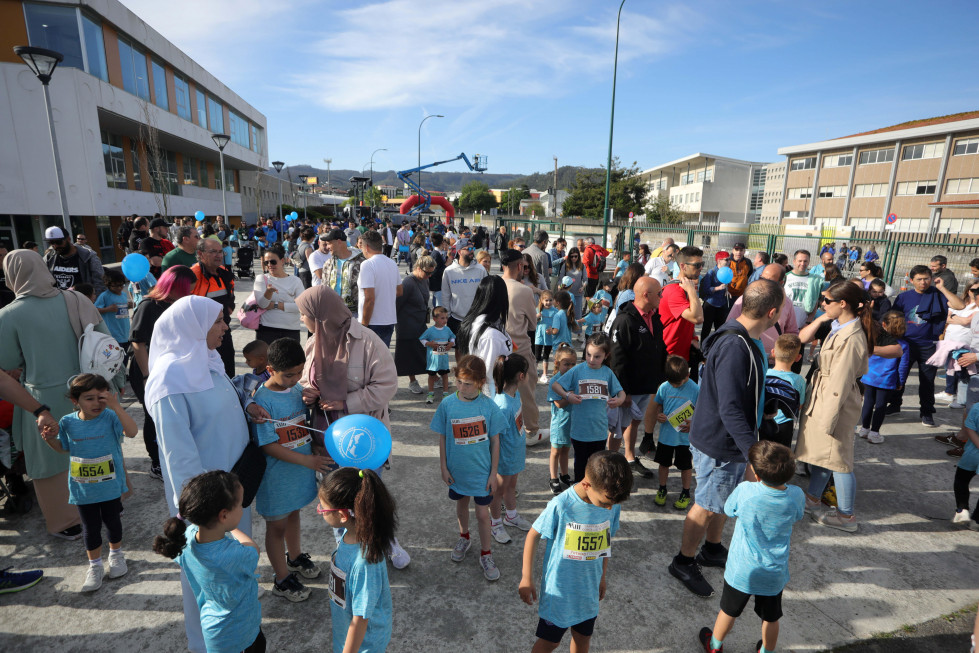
639 470
690 575
706 559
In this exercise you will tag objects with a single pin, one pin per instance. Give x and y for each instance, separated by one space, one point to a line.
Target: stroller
244 260
15 494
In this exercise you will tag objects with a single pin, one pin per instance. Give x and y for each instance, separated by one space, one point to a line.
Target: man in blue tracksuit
724 426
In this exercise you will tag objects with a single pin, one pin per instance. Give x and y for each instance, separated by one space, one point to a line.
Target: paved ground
906 565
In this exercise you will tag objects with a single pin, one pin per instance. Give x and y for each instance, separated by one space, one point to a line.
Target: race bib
441 347
338 586
93 470
292 434
469 430
518 420
593 389
122 312
587 541
680 415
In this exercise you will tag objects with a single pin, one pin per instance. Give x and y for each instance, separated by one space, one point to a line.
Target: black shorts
542 352
480 501
678 456
438 372
454 324
551 633
733 601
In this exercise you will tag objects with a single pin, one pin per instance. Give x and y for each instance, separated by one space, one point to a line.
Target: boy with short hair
578 525
788 351
438 339
673 408
289 482
256 357
758 561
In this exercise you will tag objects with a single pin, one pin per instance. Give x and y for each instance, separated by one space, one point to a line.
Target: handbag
250 313
250 469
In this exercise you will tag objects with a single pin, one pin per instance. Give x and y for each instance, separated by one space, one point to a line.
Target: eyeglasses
323 511
828 300
429 271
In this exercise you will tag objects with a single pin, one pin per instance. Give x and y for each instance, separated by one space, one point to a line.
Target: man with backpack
301 256
594 259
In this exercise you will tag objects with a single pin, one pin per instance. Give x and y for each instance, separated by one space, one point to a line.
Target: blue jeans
716 480
926 377
436 298
385 331
846 487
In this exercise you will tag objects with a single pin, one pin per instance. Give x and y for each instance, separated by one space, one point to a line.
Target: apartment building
772 195
925 172
133 116
711 189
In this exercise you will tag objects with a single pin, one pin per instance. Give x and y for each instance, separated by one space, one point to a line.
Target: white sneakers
490 569
500 534
517 522
944 398
542 435
415 388
117 564
543 378
862 432
875 438
93 578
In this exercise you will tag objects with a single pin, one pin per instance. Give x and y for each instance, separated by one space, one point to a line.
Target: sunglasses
695 265
827 300
272 262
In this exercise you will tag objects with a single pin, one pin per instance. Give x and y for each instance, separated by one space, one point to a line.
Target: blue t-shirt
560 419
117 323
623 297
227 256
513 447
222 577
678 406
560 322
602 294
798 382
95 470
285 487
435 361
620 268
589 419
339 284
758 560
578 536
926 314
593 322
359 589
541 336
467 427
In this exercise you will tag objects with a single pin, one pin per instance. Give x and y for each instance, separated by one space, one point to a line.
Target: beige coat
832 409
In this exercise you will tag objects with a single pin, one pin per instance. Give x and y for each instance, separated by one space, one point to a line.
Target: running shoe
460 549
490 570
704 638
500 534
303 565
692 578
71 534
117 564
415 388
660 498
517 522
16 581
683 502
834 519
705 559
290 588
93 578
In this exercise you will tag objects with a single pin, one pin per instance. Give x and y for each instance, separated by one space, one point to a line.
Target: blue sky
521 81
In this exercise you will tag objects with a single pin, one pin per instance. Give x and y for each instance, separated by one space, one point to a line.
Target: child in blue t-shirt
578 526
469 424
114 304
220 569
563 321
595 318
438 339
966 469
226 248
92 436
560 433
543 338
758 561
289 482
673 408
591 389
788 351
508 373
361 511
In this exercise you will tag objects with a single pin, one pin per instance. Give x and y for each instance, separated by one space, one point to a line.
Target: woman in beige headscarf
39 341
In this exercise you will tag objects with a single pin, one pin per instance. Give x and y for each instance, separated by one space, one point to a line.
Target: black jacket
732 386
637 356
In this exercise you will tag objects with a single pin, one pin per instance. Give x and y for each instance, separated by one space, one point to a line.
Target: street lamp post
380 149
329 186
42 63
608 164
433 115
278 168
302 180
221 140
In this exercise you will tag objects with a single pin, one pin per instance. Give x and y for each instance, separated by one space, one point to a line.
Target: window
134 76
870 190
182 93
923 151
201 108
256 139
916 187
239 129
876 156
837 160
756 201
962 186
94 48
191 171
215 115
115 162
163 172
137 168
55 28
832 191
229 178
798 193
803 164
966 146
160 86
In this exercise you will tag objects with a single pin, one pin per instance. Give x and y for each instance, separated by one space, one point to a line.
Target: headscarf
28 276
328 371
179 347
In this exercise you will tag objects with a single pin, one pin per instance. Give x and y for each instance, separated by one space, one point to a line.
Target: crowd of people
633 386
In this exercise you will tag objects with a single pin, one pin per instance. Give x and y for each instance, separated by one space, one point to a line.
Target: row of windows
161 166
837 160
657 184
923 151
877 156
953 187
966 146
870 190
685 198
832 191
698 175
886 155
798 193
917 187
961 186
803 164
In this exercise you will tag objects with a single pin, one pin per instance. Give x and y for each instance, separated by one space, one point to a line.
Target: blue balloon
135 267
725 275
359 441
294 215
199 216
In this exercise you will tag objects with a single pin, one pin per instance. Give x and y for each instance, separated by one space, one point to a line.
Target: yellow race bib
680 415
587 541
92 470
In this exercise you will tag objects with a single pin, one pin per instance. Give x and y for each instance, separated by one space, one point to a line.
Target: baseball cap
721 255
738 246
509 256
567 281
335 234
158 222
54 233
324 237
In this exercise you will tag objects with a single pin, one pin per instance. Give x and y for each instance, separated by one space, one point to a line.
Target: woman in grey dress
412 306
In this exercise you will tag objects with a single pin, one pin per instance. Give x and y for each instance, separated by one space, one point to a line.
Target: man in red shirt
590 258
680 309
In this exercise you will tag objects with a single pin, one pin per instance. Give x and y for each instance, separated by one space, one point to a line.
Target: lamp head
220 140
278 165
41 61
302 179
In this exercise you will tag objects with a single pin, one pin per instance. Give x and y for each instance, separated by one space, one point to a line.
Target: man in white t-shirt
379 288
318 258
662 267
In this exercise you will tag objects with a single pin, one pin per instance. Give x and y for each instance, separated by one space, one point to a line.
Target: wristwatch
41 409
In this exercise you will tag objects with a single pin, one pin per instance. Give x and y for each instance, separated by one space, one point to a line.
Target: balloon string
280 424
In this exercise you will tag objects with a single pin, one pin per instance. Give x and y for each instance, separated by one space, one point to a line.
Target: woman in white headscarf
199 420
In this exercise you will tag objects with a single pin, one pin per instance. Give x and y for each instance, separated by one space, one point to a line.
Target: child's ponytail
173 540
201 502
364 494
507 369
563 299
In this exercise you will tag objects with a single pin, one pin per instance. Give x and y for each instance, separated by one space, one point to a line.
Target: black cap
335 234
509 256
738 246
158 222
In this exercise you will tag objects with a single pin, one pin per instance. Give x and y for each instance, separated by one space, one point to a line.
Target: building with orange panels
924 172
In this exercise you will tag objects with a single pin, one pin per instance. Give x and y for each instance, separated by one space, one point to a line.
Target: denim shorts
716 480
620 418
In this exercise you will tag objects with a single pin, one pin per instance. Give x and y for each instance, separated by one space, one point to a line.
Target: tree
536 209
510 199
661 209
476 197
627 192
163 181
